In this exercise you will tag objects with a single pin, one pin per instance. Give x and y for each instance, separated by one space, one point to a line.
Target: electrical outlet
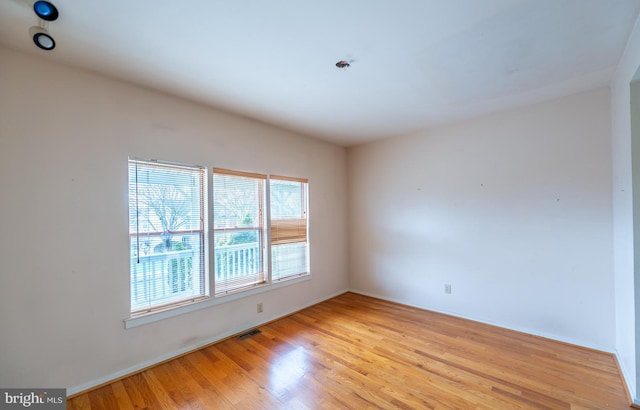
447 288
260 307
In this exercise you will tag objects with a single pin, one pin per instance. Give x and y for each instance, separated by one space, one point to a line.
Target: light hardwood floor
356 352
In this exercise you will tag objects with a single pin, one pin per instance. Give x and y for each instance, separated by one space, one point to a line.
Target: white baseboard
625 375
138 367
517 329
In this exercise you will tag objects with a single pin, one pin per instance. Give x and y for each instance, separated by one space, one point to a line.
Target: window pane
286 199
167 234
236 201
166 270
238 260
167 199
288 260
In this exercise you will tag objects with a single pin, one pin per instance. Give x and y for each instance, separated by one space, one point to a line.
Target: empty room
340 204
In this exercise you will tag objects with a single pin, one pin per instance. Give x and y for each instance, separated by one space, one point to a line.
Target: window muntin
168 234
238 230
289 237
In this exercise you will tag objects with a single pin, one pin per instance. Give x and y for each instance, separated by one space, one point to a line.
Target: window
289 245
187 246
238 230
168 236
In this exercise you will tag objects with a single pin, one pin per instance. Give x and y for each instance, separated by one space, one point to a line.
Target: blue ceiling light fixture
45 10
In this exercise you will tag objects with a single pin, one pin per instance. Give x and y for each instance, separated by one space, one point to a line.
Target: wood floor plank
121 396
357 352
103 398
168 393
80 402
140 393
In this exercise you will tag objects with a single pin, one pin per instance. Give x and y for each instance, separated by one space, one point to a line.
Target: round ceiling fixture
42 38
45 10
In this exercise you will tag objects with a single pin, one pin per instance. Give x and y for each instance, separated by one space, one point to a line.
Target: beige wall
65 136
512 209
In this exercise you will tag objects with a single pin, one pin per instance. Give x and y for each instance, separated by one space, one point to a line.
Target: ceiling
413 63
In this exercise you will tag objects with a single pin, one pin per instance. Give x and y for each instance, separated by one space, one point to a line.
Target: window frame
203 248
212 298
260 278
292 228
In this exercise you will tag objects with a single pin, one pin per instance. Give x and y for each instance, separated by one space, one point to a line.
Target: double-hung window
238 230
167 234
289 244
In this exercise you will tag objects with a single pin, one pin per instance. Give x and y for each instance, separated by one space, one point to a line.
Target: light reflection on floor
288 370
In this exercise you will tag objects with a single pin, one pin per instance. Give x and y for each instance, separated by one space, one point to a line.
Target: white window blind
168 234
289 238
238 221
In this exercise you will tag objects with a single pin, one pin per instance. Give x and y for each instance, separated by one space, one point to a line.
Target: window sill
151 317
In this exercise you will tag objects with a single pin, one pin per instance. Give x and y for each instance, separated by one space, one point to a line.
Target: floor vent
249 334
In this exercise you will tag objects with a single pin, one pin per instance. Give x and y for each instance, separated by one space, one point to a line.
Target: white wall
513 210
623 210
65 136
